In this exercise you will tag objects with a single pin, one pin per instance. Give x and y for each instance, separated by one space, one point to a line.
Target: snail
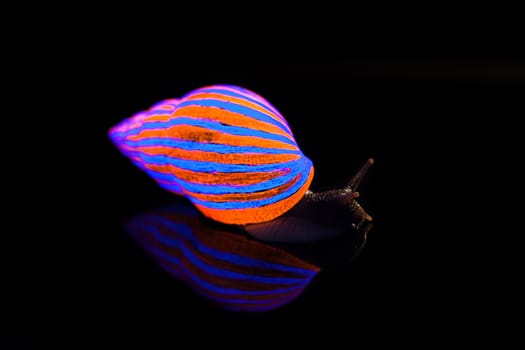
233 155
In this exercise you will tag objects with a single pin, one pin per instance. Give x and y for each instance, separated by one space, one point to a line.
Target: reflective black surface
426 120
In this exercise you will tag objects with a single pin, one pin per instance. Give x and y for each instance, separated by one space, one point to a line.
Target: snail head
319 216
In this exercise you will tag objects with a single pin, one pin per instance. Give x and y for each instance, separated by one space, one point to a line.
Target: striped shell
225 148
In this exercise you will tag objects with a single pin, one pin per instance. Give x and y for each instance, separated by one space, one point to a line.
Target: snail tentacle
358 177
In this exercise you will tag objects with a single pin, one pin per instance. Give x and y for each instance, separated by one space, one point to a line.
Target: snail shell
225 148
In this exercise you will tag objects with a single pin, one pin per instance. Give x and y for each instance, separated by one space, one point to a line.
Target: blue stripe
258 304
232 303
222 189
233 107
168 187
255 203
227 189
186 232
208 147
212 167
208 125
212 270
215 271
174 187
164 177
253 99
251 304
221 290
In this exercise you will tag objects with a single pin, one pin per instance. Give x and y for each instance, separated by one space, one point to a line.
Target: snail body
231 153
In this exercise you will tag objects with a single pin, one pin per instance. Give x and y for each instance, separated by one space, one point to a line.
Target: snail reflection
226 267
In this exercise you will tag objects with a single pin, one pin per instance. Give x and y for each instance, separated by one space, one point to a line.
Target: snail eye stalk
358 177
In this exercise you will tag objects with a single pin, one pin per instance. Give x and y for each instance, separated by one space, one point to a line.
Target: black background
430 119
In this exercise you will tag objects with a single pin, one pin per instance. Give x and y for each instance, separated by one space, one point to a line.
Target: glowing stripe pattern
225 148
231 270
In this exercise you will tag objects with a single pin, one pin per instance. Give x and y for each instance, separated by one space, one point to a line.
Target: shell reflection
230 269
